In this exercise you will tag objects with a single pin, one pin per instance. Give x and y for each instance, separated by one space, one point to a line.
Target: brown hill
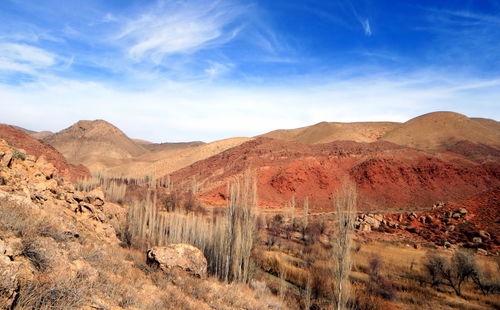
156 147
325 132
36 134
96 144
21 140
169 159
388 176
440 130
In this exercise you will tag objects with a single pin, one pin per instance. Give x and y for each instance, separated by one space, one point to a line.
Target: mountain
325 132
156 147
440 130
36 134
169 158
18 138
389 176
96 144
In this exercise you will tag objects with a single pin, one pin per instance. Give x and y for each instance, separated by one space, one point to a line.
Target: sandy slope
325 132
169 160
440 130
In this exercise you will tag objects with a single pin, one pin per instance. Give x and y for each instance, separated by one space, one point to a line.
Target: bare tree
455 271
345 206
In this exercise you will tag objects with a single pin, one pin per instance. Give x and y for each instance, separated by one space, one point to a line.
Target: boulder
372 221
95 197
477 240
9 283
46 168
485 235
462 211
180 256
365 227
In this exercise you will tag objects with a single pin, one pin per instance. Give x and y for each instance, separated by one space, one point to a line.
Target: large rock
180 255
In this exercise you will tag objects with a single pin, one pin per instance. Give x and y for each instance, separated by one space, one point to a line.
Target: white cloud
172 111
24 58
183 27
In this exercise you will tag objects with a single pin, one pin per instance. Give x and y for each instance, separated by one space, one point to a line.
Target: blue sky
206 70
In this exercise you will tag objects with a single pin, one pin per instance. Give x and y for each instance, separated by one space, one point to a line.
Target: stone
463 211
482 251
447 245
9 283
365 227
95 197
456 215
477 240
429 219
78 197
180 256
373 222
46 168
485 235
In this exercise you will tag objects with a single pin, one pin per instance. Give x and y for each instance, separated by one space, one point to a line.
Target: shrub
18 154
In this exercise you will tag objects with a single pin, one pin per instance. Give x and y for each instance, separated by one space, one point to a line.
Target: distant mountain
96 144
325 132
20 139
441 130
168 158
36 134
156 147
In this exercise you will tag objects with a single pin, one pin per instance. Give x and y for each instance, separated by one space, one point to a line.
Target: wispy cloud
366 27
24 58
180 27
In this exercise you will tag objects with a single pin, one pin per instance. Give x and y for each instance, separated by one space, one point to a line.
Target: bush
18 154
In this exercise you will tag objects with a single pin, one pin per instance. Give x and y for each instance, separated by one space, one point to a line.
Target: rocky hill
96 144
21 140
59 249
389 176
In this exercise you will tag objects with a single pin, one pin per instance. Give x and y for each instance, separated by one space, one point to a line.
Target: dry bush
455 271
48 291
379 284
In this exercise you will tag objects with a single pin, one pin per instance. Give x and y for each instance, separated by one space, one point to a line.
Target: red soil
21 140
388 176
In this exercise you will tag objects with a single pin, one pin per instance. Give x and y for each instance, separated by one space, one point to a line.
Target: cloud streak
180 28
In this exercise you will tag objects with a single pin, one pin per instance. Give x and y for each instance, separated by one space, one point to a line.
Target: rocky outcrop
178 256
41 151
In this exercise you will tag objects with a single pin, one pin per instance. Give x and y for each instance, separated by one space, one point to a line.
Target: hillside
388 176
21 140
325 132
440 130
169 158
60 249
96 144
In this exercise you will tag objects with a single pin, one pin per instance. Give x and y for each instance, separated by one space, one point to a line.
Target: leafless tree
345 206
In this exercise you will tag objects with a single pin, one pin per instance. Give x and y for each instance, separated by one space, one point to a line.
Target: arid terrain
93 219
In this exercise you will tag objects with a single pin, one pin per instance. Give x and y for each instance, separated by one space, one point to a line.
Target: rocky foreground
60 249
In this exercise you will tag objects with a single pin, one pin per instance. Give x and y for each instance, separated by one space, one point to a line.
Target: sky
207 70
